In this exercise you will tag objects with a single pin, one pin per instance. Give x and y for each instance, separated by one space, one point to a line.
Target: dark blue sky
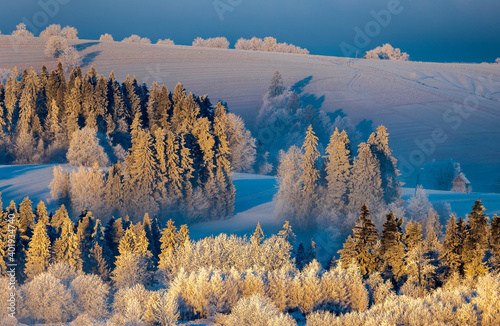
429 30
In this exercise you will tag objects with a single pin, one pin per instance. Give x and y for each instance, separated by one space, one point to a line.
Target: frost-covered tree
387 52
338 171
166 41
136 39
85 150
241 144
365 185
51 30
276 88
70 58
495 240
379 144
69 33
67 246
476 241
59 186
418 206
269 44
91 295
38 255
87 189
216 42
258 310
106 38
55 46
46 299
22 31
289 192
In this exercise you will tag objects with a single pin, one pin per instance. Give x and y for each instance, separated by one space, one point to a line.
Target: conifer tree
338 170
258 235
152 235
309 178
11 101
289 193
29 122
225 192
413 236
164 109
453 247
153 107
116 109
204 157
38 255
360 247
379 144
57 220
186 165
495 239
141 175
99 253
476 241
392 249
287 233
169 242
85 229
113 234
131 100
276 88
178 97
183 235
73 107
26 217
365 184
300 257
114 190
67 246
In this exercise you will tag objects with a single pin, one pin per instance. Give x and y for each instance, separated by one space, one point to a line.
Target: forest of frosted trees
146 162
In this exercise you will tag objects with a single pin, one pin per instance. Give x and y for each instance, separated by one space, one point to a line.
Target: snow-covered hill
433 111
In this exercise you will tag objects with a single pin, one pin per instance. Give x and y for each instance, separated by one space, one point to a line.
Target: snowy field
434 111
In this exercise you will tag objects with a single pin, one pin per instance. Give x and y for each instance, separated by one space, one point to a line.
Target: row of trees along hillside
158 275
175 149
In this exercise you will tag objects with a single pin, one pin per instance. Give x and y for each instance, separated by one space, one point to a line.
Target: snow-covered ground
424 105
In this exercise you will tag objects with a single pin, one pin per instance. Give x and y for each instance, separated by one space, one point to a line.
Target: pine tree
309 178
67 246
276 88
360 248
379 144
365 184
392 249
338 170
476 241
38 255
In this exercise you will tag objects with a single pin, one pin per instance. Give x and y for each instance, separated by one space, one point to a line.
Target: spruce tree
99 253
73 109
183 235
67 246
26 217
113 233
451 256
38 255
287 233
169 242
392 249
365 184
476 241
85 228
413 236
338 171
258 235
361 246
309 178
114 190
225 192
379 144
276 88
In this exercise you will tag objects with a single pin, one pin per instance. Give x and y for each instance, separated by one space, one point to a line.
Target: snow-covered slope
424 105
